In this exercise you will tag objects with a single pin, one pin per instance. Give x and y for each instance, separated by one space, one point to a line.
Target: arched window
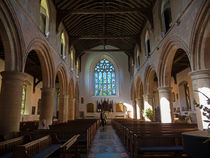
72 58
44 17
166 13
147 42
105 78
63 45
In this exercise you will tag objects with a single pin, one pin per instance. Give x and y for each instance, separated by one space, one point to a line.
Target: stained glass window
105 78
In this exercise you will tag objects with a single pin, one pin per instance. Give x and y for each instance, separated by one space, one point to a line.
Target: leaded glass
105 78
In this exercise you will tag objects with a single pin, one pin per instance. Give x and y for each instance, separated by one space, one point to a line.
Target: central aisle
107 144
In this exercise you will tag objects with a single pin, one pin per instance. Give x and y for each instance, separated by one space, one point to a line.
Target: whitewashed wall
120 61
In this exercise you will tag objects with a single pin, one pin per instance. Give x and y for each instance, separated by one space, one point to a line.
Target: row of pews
62 140
152 139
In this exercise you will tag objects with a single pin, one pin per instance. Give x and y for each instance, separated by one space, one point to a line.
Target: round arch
167 56
200 39
46 61
13 42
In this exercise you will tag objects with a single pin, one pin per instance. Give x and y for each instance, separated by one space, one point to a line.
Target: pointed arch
149 73
46 61
92 73
63 79
200 39
139 88
13 43
167 55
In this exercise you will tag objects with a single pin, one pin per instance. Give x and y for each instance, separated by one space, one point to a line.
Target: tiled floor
107 144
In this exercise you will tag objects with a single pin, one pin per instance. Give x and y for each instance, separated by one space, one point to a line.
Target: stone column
77 108
63 108
201 83
134 109
166 111
71 109
47 104
140 102
10 101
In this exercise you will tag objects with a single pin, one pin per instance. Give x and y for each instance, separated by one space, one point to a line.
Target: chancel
139 67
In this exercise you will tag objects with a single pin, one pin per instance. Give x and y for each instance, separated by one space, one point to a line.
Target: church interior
104 78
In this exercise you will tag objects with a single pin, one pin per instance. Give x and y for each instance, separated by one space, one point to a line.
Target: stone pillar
47 104
134 109
71 109
140 102
10 101
166 111
77 108
63 108
201 82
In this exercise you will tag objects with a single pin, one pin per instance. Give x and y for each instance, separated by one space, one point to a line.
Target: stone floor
107 144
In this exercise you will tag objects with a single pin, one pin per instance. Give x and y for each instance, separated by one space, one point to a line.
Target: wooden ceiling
90 23
180 63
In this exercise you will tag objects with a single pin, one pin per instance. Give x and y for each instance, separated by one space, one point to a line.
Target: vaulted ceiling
90 23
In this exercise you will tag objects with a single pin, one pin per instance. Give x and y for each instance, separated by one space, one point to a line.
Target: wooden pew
8 146
65 148
42 147
133 132
29 125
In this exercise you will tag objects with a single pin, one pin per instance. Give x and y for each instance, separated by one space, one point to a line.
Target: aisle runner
107 144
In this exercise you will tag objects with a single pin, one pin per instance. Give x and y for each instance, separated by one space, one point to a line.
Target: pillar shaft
47 104
77 108
134 109
10 101
165 104
71 110
63 108
140 102
201 83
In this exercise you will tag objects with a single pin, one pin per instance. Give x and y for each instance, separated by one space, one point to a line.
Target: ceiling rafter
91 23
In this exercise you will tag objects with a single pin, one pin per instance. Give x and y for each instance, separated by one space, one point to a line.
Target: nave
107 144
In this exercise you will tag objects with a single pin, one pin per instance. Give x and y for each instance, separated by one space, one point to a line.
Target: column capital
148 96
13 75
164 89
200 74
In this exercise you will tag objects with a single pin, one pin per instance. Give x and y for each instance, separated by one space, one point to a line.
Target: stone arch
167 56
63 79
13 42
46 61
62 107
200 39
139 88
150 71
